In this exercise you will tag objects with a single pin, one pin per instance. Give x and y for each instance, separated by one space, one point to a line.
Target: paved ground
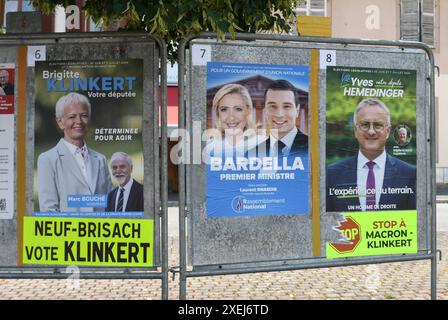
407 280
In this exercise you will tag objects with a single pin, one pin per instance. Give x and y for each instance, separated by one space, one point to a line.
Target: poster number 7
201 54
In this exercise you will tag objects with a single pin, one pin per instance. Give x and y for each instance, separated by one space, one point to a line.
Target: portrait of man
128 196
372 179
282 110
71 167
6 88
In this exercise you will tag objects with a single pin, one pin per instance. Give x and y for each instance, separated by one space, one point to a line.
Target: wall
367 19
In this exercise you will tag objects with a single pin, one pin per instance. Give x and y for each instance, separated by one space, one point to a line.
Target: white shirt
80 160
288 140
127 190
363 171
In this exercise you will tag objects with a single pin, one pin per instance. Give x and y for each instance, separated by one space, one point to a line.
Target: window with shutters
418 21
312 8
428 22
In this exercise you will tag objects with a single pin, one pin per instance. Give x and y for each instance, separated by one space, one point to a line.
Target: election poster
256 155
370 139
88 177
375 233
7 88
371 160
7 144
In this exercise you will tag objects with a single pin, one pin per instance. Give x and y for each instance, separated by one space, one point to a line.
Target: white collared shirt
80 160
127 190
288 140
363 171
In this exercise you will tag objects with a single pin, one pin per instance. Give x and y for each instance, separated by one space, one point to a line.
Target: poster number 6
327 58
35 53
201 54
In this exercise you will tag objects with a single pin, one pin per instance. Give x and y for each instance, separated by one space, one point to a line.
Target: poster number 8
327 58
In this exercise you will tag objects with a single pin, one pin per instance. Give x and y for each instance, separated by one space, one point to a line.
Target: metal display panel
74 52
244 244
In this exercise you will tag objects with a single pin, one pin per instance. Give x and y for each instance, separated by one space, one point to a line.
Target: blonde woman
234 125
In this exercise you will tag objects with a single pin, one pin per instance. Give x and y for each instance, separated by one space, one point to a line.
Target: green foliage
389 296
176 20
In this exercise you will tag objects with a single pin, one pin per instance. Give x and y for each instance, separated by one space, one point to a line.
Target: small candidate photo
402 135
128 195
371 179
71 167
6 83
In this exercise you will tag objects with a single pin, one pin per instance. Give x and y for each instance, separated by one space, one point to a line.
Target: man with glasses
372 179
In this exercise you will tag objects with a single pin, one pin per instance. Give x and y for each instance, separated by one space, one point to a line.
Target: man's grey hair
402 129
69 99
121 156
371 102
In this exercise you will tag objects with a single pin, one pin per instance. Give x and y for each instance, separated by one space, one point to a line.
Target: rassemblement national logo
238 204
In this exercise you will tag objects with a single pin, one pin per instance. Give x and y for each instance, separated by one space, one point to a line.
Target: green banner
375 233
88 242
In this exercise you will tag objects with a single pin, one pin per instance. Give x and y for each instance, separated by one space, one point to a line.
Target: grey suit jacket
58 175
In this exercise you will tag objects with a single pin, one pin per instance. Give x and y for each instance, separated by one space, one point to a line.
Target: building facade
415 20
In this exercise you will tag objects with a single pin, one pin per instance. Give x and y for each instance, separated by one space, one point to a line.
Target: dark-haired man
282 110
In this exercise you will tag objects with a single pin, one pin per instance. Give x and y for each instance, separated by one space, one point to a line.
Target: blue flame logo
238 204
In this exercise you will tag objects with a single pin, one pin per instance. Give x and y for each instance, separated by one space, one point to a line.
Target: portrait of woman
402 135
232 110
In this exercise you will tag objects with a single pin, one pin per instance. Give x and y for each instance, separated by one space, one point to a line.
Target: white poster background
6 166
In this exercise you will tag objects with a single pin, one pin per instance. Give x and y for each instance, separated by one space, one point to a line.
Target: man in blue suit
71 168
372 179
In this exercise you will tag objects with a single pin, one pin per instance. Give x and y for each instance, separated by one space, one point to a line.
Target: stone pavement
404 280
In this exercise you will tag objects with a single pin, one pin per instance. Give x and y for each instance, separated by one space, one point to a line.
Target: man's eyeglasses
377 126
